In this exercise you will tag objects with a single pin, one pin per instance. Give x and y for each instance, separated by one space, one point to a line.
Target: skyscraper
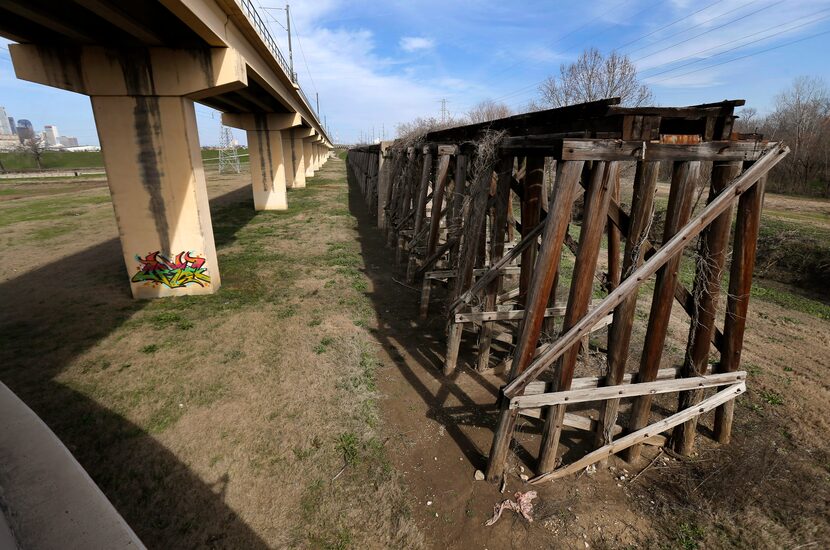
51 135
12 125
4 122
25 130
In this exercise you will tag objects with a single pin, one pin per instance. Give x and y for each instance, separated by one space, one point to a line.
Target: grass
55 209
22 161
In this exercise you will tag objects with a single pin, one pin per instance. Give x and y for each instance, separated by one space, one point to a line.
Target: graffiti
157 269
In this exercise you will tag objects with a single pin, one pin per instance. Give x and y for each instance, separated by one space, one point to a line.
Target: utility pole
317 94
290 51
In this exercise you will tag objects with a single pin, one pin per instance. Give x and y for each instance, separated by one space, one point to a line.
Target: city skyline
50 135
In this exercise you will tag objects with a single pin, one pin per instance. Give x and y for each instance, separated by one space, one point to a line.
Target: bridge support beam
268 167
308 149
288 158
142 100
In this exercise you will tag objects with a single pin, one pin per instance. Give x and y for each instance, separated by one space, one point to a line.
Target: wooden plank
614 149
775 153
588 382
434 227
619 335
420 208
498 226
740 285
531 217
711 258
556 225
451 273
641 435
597 199
514 315
679 209
627 390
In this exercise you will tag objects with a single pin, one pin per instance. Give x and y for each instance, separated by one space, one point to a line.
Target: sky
378 64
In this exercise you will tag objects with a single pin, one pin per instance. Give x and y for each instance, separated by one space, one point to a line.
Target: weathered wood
477 272
531 216
639 436
598 196
740 284
426 288
614 238
420 207
619 334
679 209
455 209
434 229
710 260
775 153
498 221
513 315
627 390
588 382
550 255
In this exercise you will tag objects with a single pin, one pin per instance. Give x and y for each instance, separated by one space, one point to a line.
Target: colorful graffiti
182 270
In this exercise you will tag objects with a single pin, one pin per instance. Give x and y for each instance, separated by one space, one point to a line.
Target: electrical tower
444 112
228 155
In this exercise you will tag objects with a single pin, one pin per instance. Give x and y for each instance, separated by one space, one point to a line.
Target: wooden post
435 225
619 333
455 212
711 258
684 177
614 235
534 184
420 209
550 255
498 223
595 218
740 284
475 217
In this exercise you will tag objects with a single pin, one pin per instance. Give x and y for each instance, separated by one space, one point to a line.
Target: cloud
416 43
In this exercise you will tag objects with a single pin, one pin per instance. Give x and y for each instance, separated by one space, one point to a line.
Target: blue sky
376 64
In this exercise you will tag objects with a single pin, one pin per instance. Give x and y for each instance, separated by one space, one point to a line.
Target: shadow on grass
51 315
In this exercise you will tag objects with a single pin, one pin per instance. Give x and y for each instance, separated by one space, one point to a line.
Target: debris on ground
479 475
523 506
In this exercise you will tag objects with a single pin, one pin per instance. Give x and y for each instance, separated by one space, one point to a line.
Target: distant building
25 130
9 142
68 141
12 125
5 129
51 136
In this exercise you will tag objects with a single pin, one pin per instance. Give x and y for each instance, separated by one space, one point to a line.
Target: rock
479 475
524 477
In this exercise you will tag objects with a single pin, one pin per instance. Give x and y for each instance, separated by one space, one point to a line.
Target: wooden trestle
448 209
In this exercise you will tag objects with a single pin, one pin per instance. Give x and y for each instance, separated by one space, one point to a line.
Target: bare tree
487 110
415 130
802 119
748 120
35 147
594 77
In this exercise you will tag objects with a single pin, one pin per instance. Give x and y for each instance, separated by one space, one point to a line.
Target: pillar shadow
51 315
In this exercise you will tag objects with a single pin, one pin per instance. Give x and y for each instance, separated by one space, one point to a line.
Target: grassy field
21 161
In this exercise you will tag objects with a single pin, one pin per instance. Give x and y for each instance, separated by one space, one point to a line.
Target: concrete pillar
308 154
298 158
157 183
142 100
288 159
268 167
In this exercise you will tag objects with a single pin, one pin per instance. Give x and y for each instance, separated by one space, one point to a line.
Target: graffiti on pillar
178 271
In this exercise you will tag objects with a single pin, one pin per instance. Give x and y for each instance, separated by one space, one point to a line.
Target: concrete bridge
143 65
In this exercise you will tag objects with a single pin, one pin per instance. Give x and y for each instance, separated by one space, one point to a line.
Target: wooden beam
774 154
640 436
613 149
451 273
628 390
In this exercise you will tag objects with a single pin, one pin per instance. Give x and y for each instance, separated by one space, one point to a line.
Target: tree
415 130
487 110
35 147
593 77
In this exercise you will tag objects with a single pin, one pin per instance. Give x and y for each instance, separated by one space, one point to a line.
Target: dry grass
219 421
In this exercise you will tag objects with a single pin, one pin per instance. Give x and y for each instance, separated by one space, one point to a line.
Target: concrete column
268 167
308 154
288 159
298 158
157 183
267 170
142 100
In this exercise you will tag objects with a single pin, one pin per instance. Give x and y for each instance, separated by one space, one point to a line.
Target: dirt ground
303 405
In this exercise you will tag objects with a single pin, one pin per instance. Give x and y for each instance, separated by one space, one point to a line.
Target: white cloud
416 43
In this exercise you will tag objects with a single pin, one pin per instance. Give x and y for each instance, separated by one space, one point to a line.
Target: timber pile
446 205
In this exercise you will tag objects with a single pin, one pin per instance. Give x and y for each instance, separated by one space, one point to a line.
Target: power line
811 22
664 27
712 29
745 56
302 52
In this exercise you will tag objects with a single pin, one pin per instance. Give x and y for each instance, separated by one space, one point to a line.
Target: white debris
479 475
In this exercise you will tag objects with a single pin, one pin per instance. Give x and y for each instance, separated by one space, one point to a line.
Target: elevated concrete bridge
144 64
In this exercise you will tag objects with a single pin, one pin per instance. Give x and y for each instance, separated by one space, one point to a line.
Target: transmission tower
228 155
444 112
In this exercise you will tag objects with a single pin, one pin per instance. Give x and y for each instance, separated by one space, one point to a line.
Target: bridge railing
253 16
